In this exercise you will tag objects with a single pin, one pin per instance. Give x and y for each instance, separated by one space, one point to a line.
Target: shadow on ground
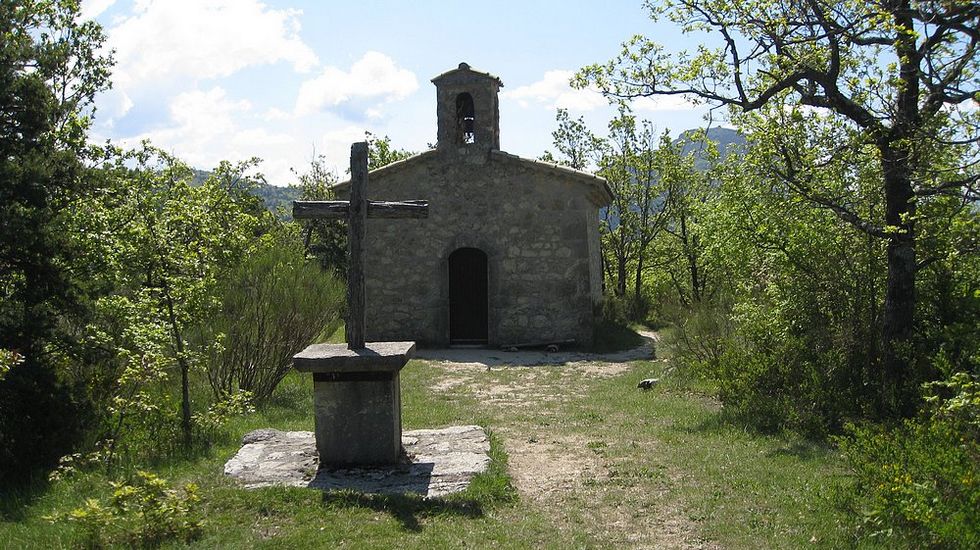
408 510
492 357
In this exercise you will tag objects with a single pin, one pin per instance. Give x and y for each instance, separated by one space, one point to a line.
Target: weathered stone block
356 401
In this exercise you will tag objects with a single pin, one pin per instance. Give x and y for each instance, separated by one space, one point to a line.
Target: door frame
493 284
476 256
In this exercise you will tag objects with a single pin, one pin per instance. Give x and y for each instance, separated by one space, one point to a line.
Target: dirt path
556 466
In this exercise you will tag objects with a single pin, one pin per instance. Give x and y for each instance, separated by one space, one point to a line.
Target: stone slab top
375 357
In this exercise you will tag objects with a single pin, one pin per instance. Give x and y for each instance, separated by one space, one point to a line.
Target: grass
661 463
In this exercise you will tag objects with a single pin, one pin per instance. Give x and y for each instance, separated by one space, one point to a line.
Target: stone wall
539 232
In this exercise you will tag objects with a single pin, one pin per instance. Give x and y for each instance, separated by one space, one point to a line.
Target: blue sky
281 80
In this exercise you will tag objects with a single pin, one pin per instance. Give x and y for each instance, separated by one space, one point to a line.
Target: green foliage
157 251
8 360
699 336
273 305
656 188
382 153
50 69
919 483
40 420
211 422
144 514
801 341
326 240
858 111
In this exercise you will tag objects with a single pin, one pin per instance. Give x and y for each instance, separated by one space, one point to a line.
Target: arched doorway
468 300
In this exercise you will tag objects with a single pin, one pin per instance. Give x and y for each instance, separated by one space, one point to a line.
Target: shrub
788 385
611 332
145 513
274 304
921 480
210 423
8 360
699 335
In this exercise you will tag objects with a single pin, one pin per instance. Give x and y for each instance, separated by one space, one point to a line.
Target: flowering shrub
143 514
921 480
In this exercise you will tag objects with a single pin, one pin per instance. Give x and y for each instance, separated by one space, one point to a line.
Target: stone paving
435 463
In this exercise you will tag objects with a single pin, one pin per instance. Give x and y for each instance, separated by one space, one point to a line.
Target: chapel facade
509 253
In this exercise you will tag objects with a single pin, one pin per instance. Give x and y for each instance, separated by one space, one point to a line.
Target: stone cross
355 211
356 388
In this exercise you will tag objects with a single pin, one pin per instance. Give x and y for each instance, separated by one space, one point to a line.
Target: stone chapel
509 253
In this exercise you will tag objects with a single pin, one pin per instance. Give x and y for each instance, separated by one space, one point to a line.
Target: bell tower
467 110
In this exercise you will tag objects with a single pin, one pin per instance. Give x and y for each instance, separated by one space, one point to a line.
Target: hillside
273 196
728 141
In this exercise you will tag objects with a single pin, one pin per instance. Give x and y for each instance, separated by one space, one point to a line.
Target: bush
699 335
275 304
209 424
920 481
146 513
789 385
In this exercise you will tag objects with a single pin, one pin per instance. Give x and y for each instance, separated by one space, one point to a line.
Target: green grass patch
665 455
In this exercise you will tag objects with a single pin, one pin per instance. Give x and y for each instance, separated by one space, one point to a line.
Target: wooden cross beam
356 211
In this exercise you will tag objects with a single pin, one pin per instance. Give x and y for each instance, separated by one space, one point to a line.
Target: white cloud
91 9
203 129
113 104
167 39
374 77
208 126
554 92
210 110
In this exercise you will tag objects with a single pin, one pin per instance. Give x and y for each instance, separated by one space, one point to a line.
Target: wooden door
468 300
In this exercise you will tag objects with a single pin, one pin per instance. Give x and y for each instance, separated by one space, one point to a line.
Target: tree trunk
185 394
185 401
638 287
690 253
621 275
899 310
638 282
896 164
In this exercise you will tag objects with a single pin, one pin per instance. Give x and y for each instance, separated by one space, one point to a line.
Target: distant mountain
728 141
272 196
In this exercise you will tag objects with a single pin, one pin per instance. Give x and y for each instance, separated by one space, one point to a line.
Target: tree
687 187
896 77
577 147
382 153
159 250
49 72
274 304
646 171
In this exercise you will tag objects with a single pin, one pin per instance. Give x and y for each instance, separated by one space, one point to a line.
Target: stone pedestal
356 401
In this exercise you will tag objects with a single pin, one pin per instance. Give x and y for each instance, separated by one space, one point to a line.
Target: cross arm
307 210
